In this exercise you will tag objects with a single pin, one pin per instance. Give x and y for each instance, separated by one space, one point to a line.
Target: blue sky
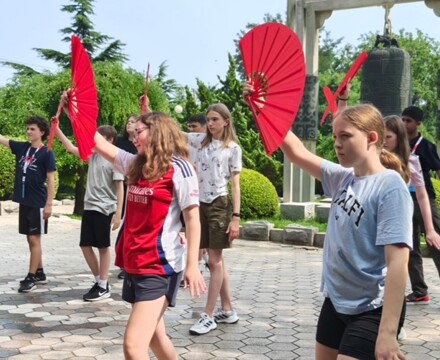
192 36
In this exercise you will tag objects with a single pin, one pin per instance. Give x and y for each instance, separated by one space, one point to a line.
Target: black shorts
352 335
30 221
151 287
214 221
95 229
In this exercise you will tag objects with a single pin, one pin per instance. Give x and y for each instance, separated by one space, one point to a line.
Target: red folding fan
83 100
273 60
332 98
82 104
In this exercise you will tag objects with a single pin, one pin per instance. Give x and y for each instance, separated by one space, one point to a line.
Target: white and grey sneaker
226 317
204 325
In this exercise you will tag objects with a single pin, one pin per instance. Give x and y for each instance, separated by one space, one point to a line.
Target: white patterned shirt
214 165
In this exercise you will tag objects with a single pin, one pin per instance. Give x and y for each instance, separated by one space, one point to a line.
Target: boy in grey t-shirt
102 212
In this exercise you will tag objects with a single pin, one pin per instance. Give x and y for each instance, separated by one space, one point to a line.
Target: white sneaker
227 317
204 325
402 334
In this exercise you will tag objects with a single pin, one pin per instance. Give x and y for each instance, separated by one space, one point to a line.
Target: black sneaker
40 277
92 290
27 285
97 293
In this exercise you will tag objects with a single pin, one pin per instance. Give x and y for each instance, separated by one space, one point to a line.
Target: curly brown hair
164 141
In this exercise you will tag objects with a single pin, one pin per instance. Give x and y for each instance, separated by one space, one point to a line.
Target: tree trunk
80 190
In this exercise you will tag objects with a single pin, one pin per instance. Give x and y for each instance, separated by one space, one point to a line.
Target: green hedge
7 171
436 184
259 197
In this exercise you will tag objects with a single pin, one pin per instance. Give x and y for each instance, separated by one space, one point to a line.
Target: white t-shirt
416 173
214 165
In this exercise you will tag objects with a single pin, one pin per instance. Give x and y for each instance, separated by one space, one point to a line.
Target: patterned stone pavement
275 289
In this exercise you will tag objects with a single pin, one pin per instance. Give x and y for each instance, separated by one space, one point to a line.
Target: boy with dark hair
34 168
197 123
102 212
413 117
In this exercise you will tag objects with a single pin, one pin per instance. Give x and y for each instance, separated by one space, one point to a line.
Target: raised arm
299 155
343 98
67 143
105 149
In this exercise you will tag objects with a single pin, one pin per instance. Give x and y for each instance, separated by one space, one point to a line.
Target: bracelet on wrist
342 99
234 214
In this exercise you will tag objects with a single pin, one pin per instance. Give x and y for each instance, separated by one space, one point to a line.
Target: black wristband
339 98
235 214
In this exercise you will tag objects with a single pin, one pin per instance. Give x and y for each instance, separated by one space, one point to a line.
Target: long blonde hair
165 140
368 118
228 131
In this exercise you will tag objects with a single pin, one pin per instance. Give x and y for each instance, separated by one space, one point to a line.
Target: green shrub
258 196
7 172
436 184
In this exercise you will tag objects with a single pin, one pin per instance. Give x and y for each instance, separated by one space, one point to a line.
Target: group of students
163 195
177 180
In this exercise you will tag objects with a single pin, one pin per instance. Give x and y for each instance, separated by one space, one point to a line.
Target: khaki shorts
214 220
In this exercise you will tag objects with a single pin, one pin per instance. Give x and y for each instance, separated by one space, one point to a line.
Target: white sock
96 279
102 283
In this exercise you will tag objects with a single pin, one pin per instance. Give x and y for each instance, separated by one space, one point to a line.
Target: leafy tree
92 40
425 53
38 94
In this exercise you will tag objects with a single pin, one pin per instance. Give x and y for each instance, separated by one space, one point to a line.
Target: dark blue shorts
352 335
151 287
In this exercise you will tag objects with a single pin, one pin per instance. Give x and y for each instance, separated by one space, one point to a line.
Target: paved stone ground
275 289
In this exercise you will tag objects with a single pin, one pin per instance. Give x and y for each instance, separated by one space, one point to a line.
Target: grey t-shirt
367 213
101 186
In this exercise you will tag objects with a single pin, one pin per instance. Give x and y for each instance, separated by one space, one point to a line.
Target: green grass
280 223
75 217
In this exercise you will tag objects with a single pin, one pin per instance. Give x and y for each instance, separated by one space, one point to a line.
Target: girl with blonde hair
217 159
368 238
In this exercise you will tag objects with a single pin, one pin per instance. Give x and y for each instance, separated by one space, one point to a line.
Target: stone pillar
298 185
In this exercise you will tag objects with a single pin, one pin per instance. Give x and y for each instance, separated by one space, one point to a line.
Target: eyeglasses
138 131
